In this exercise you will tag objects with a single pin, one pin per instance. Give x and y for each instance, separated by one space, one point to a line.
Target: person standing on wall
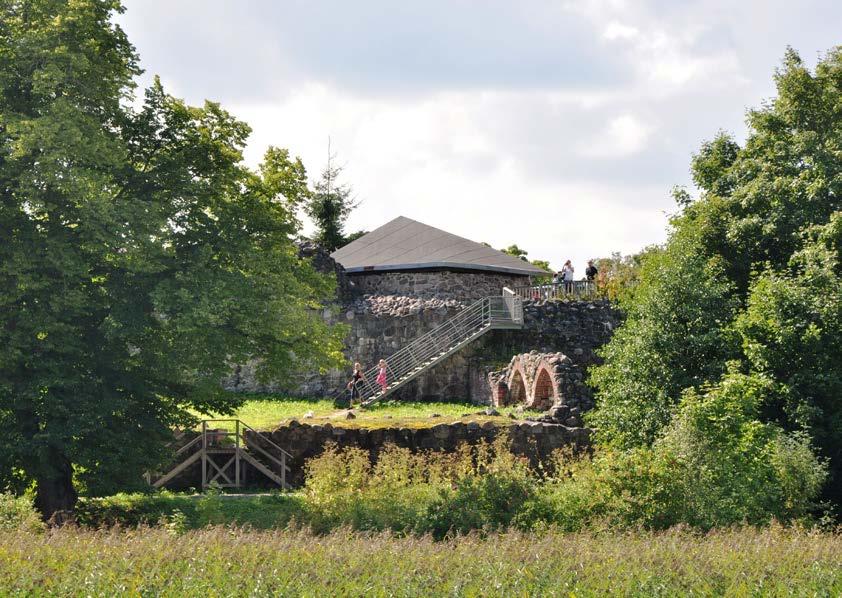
591 273
567 275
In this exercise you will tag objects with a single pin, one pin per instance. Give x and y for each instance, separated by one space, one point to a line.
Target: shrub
613 489
17 513
491 495
716 464
734 467
190 511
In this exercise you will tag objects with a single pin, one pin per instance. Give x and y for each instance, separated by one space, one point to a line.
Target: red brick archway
544 391
517 388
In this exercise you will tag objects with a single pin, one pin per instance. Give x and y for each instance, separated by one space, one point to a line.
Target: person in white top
567 274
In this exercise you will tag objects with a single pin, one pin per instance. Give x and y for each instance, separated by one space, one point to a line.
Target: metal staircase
501 312
224 455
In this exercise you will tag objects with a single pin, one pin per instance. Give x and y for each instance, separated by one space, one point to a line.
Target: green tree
516 251
791 333
285 178
618 275
732 465
355 235
756 202
673 338
329 206
139 258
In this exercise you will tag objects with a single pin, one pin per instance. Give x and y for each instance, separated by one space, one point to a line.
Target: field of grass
266 412
221 561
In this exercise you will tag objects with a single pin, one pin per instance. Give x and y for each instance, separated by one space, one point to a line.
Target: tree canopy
139 257
748 282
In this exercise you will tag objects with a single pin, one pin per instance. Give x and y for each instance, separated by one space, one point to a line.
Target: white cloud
615 30
559 127
623 136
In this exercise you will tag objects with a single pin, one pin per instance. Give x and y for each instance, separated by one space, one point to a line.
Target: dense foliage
746 293
711 471
515 251
139 258
715 466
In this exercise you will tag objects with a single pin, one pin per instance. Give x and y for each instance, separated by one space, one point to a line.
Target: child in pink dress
381 376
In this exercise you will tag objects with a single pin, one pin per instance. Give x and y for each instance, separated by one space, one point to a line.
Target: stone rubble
396 306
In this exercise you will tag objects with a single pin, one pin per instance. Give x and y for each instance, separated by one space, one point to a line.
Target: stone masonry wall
532 439
401 306
380 325
463 286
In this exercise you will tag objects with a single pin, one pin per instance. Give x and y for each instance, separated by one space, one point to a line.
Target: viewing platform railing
577 289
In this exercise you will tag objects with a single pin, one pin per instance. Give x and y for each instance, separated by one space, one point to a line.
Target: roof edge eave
443 265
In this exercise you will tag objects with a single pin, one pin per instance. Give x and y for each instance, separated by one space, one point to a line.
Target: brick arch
544 388
517 388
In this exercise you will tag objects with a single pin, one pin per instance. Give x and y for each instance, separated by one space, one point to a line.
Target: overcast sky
560 126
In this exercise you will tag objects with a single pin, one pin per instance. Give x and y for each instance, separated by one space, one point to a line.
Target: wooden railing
224 452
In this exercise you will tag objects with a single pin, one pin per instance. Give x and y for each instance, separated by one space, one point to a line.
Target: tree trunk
54 491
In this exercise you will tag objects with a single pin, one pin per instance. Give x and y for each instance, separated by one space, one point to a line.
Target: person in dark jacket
357 377
591 271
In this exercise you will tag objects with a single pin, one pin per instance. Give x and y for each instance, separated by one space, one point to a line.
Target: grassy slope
267 412
223 561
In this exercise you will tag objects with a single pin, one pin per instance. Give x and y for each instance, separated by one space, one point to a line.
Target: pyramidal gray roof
405 244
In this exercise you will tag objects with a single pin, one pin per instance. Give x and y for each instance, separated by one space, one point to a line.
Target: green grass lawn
266 412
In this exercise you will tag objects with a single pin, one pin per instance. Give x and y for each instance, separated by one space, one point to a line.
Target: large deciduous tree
139 258
749 274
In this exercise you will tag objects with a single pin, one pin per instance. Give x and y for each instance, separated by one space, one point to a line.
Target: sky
559 126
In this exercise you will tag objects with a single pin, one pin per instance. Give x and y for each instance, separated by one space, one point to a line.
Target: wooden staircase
225 455
489 313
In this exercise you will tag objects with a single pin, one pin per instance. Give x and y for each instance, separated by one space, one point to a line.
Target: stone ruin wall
550 382
382 323
462 286
535 440
565 334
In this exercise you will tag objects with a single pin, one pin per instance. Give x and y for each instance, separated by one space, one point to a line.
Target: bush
190 511
612 490
482 486
715 465
17 513
732 466
489 495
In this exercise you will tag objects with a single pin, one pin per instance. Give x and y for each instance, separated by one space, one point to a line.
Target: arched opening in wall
517 389
544 393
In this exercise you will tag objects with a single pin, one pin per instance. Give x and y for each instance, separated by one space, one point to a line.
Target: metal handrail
557 290
434 345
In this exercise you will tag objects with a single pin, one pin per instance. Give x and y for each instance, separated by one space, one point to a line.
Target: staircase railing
504 311
223 452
